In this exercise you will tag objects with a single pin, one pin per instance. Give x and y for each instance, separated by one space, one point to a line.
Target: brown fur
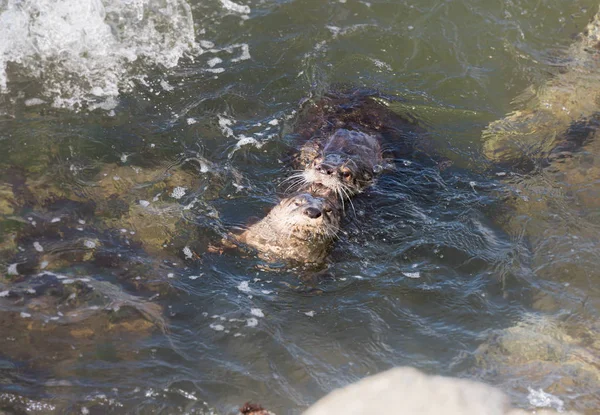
345 162
343 152
253 409
300 228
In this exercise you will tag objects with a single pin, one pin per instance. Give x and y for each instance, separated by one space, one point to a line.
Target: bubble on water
166 86
234 7
310 313
257 312
252 322
381 64
217 327
178 192
54 220
12 269
34 101
191 121
541 399
244 286
412 274
245 55
25 315
89 244
187 252
38 247
144 203
4 293
214 62
225 125
194 277
274 121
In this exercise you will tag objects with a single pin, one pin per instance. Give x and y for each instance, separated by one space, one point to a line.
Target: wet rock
7 201
52 320
406 390
541 352
569 99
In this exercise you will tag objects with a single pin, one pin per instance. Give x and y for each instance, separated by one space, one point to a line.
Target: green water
117 310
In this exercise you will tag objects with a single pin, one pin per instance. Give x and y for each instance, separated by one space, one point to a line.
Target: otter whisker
349 199
295 185
293 176
341 199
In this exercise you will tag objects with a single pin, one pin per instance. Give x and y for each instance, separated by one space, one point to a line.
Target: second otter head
306 217
346 165
300 228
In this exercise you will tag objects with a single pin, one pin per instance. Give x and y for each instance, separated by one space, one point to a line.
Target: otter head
300 228
306 217
346 164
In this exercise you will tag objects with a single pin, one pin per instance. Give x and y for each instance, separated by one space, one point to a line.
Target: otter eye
298 202
346 174
327 210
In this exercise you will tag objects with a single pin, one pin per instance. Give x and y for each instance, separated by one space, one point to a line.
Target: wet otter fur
300 228
345 163
344 151
254 409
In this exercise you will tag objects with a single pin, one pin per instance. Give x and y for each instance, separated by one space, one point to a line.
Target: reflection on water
114 294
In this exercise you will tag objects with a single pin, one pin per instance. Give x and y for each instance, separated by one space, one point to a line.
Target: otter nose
312 212
325 169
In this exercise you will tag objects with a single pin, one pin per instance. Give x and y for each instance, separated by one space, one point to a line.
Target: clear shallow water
434 267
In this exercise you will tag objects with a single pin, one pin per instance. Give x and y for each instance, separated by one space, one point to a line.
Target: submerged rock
540 352
569 99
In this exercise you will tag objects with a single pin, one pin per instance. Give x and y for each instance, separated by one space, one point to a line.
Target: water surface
135 134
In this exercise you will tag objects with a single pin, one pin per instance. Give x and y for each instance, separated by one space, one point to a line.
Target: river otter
344 133
300 228
344 163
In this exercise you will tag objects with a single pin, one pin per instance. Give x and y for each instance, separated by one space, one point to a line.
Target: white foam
34 101
252 322
541 399
82 51
12 269
244 287
214 61
178 192
217 327
4 293
257 312
38 246
166 86
245 55
89 244
234 7
414 275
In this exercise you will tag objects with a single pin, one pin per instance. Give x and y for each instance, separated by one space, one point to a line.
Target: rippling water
135 134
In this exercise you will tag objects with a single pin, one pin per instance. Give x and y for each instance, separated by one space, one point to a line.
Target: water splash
85 52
